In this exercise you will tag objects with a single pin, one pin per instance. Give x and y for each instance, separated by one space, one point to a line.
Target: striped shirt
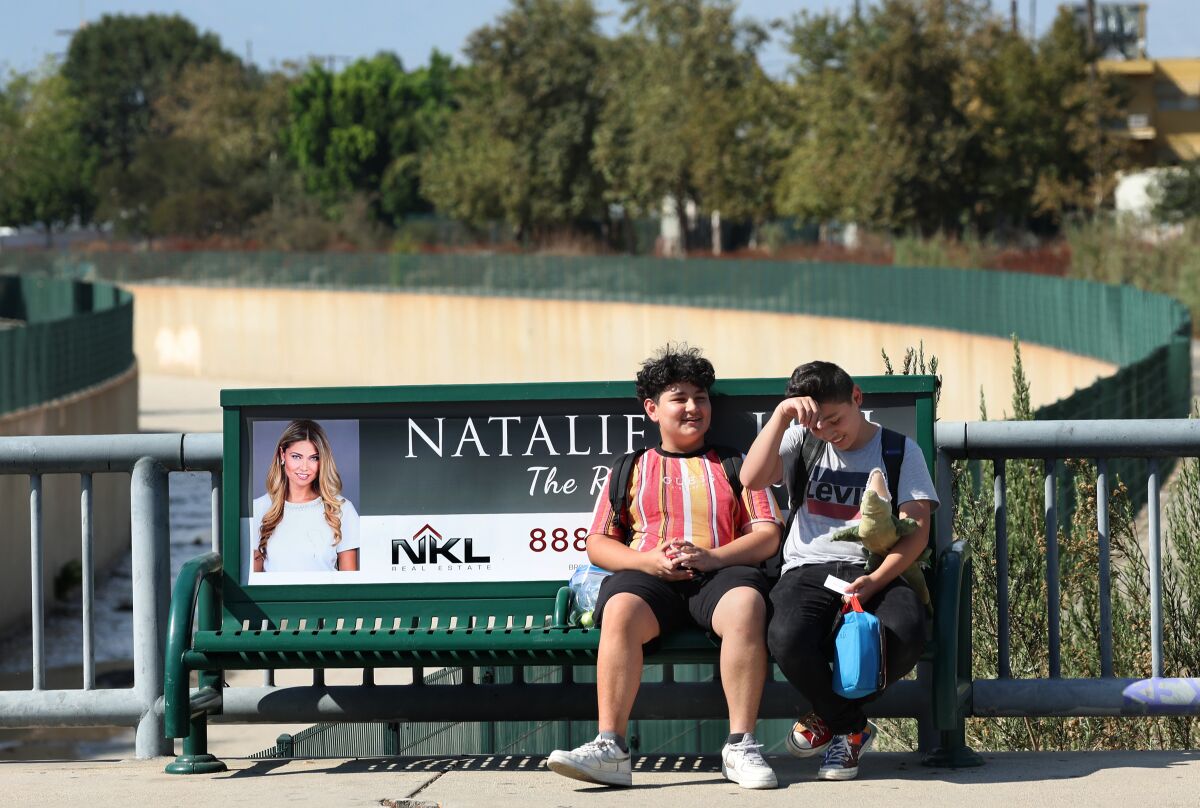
685 497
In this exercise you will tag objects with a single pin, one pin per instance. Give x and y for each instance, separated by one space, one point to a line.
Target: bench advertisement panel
455 491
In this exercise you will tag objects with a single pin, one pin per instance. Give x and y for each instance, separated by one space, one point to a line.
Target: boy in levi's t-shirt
823 400
684 550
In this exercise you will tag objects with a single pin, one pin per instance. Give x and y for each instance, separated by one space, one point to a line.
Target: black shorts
677 603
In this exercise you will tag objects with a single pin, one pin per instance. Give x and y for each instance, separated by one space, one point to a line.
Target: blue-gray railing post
215 505
1156 647
149 500
1106 650
1053 603
1000 519
37 593
88 581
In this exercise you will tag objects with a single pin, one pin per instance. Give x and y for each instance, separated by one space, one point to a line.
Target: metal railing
1155 441
148 459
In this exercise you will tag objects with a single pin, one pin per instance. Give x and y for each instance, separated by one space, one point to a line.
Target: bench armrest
562 607
951 632
199 571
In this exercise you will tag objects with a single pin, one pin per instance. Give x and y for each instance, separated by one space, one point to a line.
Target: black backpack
811 450
622 470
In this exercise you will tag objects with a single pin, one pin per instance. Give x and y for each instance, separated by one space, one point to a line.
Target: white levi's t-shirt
303 540
834 496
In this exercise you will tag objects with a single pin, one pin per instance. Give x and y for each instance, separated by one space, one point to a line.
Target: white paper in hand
836 584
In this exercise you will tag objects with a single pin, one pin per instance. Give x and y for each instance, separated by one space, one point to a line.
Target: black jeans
801 635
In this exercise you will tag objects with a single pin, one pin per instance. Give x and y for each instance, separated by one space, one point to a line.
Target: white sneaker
742 763
599 761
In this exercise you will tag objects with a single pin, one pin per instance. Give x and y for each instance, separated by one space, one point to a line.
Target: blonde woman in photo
307 525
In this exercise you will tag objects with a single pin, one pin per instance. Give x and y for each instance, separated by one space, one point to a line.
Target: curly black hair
823 382
670 365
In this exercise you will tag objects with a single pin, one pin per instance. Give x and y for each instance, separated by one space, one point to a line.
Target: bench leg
953 753
195 758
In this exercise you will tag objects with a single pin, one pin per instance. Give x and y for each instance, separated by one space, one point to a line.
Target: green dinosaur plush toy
879 531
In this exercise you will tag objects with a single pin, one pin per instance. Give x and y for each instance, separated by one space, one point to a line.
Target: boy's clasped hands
683 560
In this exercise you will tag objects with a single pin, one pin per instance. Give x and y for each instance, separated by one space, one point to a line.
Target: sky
274 31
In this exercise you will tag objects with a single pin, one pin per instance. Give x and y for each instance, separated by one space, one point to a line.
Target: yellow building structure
1163 115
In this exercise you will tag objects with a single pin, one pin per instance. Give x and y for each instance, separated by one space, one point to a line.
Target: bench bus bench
474 503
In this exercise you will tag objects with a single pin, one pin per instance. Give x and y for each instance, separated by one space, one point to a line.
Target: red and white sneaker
809 736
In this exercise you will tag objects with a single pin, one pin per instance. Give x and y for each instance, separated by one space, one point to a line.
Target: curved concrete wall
276 336
110 407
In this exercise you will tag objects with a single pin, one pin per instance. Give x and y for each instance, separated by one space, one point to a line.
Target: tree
1177 193
1085 154
1007 111
117 69
213 161
520 146
884 138
825 174
41 153
929 115
365 130
690 115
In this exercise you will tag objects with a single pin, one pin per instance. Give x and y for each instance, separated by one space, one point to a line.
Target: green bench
474 502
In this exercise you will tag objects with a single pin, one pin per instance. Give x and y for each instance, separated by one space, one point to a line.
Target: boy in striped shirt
685 551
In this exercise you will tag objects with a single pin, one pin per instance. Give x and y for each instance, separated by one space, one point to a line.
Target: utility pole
1092 77
1013 16
70 32
1091 38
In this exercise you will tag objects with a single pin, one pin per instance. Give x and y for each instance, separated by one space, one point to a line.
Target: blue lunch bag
858 653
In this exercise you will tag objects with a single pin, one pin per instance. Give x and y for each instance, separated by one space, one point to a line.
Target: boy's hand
865 587
801 409
698 558
665 562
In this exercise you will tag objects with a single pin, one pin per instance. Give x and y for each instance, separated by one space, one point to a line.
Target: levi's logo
836 494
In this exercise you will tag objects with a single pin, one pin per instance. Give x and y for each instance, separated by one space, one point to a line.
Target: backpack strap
618 488
731 461
812 449
893 457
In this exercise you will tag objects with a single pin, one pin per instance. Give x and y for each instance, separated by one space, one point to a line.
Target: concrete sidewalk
1046 779
183 403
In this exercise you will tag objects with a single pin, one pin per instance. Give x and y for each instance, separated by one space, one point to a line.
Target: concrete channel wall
314 337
